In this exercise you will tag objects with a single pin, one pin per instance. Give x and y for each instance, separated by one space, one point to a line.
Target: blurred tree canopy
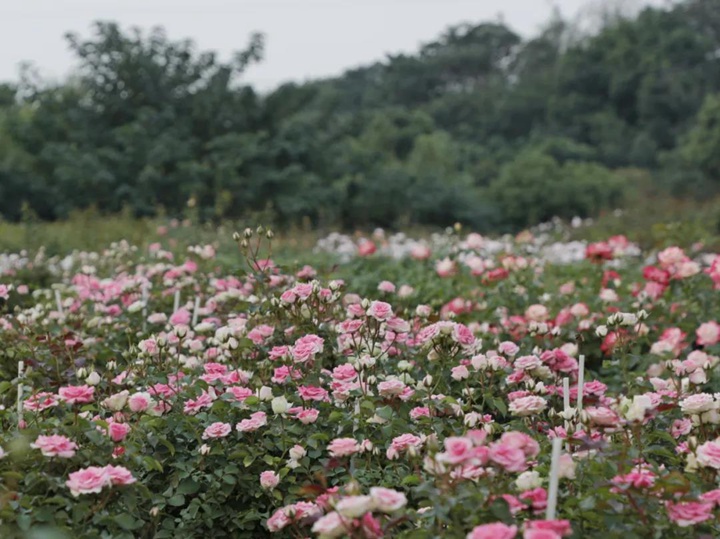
479 126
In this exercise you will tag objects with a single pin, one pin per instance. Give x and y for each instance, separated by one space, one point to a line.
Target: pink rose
404 442
457 450
366 248
278 520
602 416
257 420
420 252
537 313
390 388
331 525
380 310
498 530
354 506
708 334
312 393
508 348
269 479
240 393
55 446
560 527
118 431
343 447
387 500
508 457
217 430
306 348
139 402
41 401
462 335
526 406
537 498
181 318
708 454
387 287
445 267
308 416
77 394
88 480
686 514
459 373
119 475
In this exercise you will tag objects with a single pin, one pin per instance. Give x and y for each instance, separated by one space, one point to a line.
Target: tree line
479 126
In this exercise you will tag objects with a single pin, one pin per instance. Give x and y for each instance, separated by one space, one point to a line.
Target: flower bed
159 395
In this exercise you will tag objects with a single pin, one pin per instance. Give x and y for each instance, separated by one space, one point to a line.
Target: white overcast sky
304 38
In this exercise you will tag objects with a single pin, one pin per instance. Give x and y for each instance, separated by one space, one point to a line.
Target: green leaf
386 412
177 500
127 522
410 481
188 486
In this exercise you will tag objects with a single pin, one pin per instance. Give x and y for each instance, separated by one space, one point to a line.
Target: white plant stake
21 370
58 301
581 383
195 311
554 473
566 402
176 305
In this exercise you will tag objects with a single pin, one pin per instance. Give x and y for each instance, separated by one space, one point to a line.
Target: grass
652 220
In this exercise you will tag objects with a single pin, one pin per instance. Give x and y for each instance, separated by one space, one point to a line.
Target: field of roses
453 388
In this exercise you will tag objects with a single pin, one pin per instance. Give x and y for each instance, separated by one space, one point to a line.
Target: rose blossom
269 479
510 458
55 446
257 420
498 530
119 475
41 401
118 431
312 393
708 454
77 394
696 404
686 514
380 310
404 442
217 430
139 402
342 447
354 506
708 334
457 450
306 348
88 480
390 388
329 526
526 406
559 527
387 500
308 416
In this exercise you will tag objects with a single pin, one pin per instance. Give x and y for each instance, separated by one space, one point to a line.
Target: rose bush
159 395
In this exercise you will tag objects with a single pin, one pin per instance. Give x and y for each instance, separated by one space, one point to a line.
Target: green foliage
151 124
535 187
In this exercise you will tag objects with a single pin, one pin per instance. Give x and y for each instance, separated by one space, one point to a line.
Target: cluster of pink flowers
94 478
